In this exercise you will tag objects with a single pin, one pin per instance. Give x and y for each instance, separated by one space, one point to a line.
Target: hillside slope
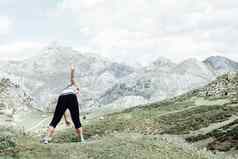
158 129
13 101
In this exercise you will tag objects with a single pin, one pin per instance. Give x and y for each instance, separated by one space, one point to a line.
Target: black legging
69 101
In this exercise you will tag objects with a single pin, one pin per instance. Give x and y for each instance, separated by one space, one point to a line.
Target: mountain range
109 84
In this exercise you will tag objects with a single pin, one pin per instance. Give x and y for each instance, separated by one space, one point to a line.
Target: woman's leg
59 112
51 131
79 132
74 112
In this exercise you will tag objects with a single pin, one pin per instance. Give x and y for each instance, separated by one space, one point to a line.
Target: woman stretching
67 100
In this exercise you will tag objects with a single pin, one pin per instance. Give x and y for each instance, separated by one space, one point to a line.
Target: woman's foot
83 142
48 137
79 132
46 140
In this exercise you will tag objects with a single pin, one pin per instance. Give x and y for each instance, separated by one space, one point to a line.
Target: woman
67 100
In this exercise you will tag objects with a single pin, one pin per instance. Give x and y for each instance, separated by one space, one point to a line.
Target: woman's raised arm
72 77
72 72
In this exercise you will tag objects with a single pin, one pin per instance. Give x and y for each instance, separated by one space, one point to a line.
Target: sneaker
83 142
45 140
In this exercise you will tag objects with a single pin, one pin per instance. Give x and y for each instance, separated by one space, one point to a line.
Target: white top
71 89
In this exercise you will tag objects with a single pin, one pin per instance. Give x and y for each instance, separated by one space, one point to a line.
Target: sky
130 31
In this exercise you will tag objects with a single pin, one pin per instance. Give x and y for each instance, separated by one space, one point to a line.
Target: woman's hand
77 91
72 67
67 122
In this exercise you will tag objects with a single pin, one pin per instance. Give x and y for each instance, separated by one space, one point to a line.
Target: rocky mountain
165 79
46 74
221 64
161 80
160 64
194 67
109 84
13 99
225 85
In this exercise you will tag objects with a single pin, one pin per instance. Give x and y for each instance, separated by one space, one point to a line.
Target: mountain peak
221 63
191 60
212 58
195 67
161 61
56 45
57 48
190 63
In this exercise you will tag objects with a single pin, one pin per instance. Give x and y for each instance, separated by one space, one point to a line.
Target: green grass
195 118
112 137
116 146
7 139
225 138
150 120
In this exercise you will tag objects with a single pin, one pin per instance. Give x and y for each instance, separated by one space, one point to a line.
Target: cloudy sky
133 31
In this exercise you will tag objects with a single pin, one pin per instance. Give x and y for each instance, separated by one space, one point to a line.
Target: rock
13 99
101 118
224 85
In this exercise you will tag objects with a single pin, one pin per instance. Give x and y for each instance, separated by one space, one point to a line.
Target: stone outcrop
12 100
225 85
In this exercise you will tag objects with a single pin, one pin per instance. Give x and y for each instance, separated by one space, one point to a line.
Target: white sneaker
83 141
46 140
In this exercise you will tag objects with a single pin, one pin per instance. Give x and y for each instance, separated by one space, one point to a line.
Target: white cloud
76 5
176 29
135 30
5 25
19 50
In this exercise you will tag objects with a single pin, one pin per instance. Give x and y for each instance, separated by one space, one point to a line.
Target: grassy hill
206 116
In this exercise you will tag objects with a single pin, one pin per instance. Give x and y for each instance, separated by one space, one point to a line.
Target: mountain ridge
103 82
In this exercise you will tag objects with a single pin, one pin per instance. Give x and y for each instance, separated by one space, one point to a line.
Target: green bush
7 142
